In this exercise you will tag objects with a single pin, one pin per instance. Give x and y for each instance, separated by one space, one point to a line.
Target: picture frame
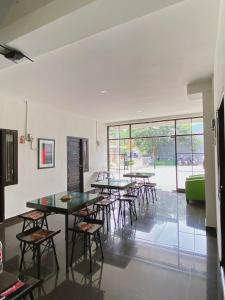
46 153
85 147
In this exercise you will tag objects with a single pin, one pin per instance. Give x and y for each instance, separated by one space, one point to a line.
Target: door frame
220 124
81 166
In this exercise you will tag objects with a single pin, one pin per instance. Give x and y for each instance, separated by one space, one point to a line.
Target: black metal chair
83 214
34 218
89 228
106 205
150 188
127 201
32 240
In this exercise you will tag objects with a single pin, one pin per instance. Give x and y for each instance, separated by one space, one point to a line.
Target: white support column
205 88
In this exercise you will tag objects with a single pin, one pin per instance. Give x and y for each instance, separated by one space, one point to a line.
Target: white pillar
205 88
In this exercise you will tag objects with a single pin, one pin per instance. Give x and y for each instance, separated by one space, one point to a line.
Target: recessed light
104 92
139 111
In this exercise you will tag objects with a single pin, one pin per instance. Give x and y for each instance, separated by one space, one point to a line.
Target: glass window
124 131
165 128
114 147
184 144
197 126
114 132
183 126
198 143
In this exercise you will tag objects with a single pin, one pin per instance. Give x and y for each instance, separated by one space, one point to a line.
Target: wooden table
112 184
53 203
7 280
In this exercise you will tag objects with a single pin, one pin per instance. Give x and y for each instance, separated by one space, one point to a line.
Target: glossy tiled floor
166 254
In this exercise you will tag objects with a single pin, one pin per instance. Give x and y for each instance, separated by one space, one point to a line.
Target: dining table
143 175
56 204
113 184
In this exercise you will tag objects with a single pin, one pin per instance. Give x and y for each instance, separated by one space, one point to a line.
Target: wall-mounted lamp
213 124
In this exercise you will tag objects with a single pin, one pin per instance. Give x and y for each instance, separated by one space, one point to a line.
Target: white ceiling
144 65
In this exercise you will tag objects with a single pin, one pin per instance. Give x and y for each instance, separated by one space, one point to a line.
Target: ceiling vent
13 54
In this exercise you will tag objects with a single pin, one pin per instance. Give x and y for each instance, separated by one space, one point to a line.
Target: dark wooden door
74 164
221 171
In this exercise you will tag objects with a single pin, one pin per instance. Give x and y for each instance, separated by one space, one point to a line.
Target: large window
171 149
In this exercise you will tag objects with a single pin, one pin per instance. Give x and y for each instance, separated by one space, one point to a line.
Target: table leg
67 243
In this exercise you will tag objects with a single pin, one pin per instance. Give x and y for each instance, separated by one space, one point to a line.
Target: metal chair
32 240
89 228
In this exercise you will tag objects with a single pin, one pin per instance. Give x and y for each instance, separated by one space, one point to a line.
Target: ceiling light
139 111
104 92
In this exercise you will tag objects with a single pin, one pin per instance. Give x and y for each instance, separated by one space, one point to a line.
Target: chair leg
38 261
73 246
24 221
113 209
89 246
56 259
22 257
31 296
130 210
100 243
46 222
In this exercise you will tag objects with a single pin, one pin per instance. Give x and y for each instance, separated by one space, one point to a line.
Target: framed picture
85 147
46 153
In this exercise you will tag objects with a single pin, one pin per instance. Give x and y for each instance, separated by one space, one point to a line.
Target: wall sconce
213 124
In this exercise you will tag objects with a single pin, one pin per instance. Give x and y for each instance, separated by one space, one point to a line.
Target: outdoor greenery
151 139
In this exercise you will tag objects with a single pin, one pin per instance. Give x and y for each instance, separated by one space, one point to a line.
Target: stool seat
151 184
85 212
89 227
32 239
105 202
36 235
33 215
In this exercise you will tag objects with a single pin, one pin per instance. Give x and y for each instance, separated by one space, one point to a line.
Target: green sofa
195 188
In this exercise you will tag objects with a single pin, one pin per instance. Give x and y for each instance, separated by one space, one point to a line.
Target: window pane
114 147
183 126
198 163
124 131
9 158
114 162
198 143
197 125
114 132
184 144
125 147
165 128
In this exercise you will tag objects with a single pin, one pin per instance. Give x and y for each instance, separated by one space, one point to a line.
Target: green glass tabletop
53 203
112 183
139 174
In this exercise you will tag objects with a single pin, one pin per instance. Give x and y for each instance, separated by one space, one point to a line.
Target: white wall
47 122
219 86
204 87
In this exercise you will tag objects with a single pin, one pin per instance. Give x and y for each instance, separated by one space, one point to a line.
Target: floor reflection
166 254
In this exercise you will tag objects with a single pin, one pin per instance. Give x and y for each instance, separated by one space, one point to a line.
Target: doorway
221 172
75 181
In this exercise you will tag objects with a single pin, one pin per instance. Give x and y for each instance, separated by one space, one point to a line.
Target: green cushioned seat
195 188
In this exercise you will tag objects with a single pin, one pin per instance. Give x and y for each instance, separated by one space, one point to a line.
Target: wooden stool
32 239
128 201
89 228
105 206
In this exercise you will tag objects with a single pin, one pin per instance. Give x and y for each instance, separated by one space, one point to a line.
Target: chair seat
127 199
151 184
85 212
33 215
105 202
36 235
87 227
